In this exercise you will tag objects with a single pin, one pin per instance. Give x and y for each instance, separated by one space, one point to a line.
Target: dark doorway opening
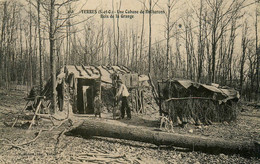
86 90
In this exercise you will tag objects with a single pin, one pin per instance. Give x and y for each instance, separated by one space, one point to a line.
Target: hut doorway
85 96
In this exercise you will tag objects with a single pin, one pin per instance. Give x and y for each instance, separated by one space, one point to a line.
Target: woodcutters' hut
78 85
186 101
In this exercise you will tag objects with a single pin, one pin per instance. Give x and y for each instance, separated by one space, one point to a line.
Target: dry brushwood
98 157
24 143
38 134
203 109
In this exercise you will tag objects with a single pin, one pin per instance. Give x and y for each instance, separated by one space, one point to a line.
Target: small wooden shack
80 84
185 100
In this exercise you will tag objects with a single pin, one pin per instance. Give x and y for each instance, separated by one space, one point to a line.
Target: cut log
108 128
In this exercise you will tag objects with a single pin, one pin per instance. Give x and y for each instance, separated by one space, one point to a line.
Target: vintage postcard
129 81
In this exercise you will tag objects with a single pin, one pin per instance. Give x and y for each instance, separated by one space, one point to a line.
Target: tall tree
150 37
221 16
2 46
52 53
169 27
142 35
257 52
30 75
201 42
40 44
244 44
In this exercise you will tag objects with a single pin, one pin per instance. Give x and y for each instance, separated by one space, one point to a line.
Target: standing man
97 105
59 90
123 94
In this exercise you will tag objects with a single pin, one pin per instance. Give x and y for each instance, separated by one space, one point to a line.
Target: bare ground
55 147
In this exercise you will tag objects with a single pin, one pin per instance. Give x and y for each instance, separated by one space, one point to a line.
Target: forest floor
18 145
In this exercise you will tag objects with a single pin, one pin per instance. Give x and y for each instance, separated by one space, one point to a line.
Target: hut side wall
196 104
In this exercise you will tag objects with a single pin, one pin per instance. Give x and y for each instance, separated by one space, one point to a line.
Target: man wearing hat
123 94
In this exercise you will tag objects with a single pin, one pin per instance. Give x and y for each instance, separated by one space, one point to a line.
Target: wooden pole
142 101
16 119
160 100
187 98
136 101
35 114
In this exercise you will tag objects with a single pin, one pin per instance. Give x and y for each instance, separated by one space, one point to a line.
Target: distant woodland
216 41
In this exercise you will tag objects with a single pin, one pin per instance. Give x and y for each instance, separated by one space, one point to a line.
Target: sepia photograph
129 81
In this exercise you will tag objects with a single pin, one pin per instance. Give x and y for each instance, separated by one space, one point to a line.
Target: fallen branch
16 146
21 144
16 119
31 141
58 139
102 155
11 144
93 159
37 136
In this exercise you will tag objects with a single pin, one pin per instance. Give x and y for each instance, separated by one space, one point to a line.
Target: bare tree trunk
178 62
231 48
201 44
30 47
102 33
110 49
52 54
128 47
136 50
118 35
242 60
40 46
21 48
35 57
141 38
150 36
189 48
68 38
168 39
2 58
193 58
213 55
114 32
257 54
133 49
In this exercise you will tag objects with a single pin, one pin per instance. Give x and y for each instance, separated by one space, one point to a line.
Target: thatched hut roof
105 73
187 88
186 100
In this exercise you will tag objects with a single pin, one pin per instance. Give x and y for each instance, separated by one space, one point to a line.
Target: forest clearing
55 147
